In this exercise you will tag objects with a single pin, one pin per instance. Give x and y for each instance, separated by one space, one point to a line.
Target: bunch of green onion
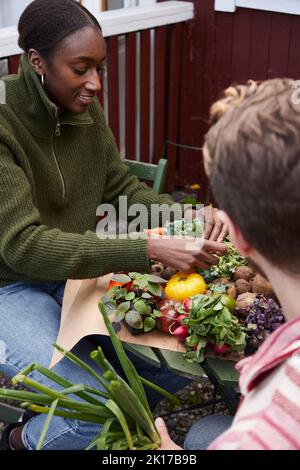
122 410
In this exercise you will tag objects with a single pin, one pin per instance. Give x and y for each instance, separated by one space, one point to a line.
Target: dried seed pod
157 268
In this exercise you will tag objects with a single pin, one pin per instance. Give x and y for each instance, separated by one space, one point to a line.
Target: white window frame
280 6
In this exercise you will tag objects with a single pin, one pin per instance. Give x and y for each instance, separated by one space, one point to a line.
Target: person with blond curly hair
252 158
58 163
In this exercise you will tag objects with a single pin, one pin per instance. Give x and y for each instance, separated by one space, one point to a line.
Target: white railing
116 22
280 6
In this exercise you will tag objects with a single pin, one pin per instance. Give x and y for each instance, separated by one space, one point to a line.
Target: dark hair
45 23
252 157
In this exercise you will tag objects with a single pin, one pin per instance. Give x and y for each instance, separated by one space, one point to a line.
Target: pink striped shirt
268 417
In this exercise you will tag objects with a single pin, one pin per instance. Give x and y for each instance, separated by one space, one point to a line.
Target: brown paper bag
80 317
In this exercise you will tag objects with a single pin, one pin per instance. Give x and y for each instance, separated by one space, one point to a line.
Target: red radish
180 318
181 333
164 323
220 349
168 303
187 305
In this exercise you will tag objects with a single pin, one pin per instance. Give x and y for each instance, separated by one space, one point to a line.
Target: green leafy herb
210 321
226 266
186 227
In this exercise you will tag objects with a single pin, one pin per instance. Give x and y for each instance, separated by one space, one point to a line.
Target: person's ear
236 237
36 62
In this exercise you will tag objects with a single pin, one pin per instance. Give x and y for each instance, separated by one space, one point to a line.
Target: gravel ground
196 393
178 423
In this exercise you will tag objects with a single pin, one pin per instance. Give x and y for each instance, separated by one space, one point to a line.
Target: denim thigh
29 324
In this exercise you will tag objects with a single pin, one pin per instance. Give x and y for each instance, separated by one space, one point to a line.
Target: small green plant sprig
135 301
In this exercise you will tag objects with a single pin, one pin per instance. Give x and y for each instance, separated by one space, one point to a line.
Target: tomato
228 302
183 285
126 285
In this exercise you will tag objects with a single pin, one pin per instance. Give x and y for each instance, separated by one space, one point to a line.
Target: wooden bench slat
177 363
223 370
143 352
10 414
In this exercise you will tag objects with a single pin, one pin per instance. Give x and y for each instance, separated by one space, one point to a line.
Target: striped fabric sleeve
276 427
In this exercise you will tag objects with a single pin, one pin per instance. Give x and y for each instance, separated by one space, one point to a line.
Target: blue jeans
206 430
29 324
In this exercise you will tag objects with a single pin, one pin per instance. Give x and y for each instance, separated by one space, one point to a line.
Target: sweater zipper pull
57 129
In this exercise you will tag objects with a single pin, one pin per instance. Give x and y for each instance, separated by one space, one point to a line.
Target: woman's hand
185 253
166 441
214 228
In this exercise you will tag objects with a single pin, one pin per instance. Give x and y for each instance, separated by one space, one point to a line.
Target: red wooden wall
227 48
194 62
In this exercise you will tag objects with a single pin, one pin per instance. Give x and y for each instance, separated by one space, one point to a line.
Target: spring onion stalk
123 411
101 441
113 407
169 396
128 367
136 410
67 414
63 382
81 364
46 425
35 398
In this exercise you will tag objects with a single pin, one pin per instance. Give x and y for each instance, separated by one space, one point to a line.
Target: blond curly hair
252 158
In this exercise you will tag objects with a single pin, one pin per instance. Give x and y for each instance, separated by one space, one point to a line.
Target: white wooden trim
116 22
225 5
144 17
280 6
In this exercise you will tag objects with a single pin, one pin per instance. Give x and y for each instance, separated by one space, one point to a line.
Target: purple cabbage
266 315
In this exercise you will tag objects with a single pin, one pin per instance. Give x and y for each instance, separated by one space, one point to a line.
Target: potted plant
133 299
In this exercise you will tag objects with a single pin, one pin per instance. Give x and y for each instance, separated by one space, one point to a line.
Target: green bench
149 172
221 373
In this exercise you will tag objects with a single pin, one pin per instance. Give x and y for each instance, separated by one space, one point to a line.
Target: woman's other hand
166 441
214 228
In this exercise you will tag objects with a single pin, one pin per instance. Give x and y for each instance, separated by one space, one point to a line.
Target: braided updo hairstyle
44 24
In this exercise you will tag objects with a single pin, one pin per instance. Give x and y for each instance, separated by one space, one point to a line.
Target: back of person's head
45 24
252 157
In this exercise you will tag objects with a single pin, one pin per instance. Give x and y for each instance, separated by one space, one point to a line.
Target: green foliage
186 227
226 266
137 306
210 321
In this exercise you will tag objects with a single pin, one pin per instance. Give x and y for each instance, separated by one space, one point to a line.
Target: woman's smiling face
72 76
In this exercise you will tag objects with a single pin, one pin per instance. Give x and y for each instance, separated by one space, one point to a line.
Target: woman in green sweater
58 162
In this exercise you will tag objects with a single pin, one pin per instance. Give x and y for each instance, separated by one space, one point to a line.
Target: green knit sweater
52 179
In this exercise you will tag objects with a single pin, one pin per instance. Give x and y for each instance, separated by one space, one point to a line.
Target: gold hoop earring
43 80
